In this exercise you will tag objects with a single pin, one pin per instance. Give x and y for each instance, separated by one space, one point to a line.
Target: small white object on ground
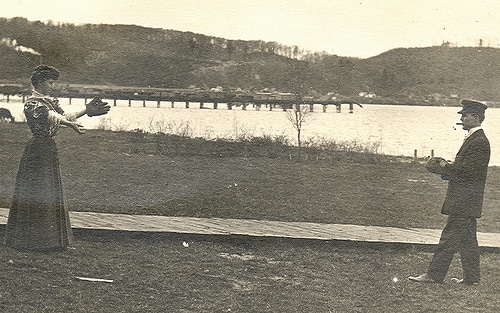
95 279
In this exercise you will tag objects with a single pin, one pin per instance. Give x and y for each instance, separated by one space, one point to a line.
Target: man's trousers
459 235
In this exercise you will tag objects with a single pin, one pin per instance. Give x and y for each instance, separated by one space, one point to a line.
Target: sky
361 28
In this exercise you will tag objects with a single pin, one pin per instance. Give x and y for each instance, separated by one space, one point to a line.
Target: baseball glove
433 166
97 107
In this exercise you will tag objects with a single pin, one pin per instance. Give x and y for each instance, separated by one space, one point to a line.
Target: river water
393 129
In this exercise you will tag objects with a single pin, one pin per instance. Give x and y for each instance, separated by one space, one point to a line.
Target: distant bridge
257 100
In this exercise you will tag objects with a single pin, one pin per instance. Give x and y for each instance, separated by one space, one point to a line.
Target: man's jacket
467 177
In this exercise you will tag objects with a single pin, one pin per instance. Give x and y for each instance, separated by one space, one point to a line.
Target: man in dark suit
466 178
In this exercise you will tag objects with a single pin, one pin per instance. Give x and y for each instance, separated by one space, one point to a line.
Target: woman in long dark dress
38 219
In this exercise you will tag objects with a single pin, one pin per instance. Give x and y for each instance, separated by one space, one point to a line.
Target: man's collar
474 129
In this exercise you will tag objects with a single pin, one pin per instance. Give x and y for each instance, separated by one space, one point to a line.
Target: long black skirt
38 219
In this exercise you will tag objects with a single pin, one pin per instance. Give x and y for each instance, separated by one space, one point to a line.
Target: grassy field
140 173
187 273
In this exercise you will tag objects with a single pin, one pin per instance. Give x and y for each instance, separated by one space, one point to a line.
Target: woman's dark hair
42 73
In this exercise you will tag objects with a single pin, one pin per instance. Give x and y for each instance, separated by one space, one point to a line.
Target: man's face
469 121
45 87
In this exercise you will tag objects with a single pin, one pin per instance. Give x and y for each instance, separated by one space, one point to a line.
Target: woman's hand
74 126
97 107
77 128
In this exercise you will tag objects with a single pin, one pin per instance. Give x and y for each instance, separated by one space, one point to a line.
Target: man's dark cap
471 106
44 72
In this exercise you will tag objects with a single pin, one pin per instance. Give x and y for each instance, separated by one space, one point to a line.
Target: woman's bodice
40 120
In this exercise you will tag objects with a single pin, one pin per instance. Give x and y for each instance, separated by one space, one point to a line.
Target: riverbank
141 173
384 129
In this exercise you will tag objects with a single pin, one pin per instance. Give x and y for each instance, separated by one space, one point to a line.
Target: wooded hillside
131 55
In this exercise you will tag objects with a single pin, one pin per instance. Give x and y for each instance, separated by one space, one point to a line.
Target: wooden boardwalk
260 228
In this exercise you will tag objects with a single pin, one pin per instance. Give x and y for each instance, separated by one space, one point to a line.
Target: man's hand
435 165
443 163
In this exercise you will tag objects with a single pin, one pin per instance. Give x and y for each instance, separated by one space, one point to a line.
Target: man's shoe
424 278
462 281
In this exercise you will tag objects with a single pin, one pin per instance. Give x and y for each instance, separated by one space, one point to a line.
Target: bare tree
297 116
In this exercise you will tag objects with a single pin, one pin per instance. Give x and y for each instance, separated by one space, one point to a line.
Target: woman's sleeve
54 118
71 117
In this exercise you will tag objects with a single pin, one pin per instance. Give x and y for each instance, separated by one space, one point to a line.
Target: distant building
366 94
217 89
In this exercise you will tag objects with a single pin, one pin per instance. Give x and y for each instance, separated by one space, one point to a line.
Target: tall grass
343 146
105 123
161 135
162 126
242 140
